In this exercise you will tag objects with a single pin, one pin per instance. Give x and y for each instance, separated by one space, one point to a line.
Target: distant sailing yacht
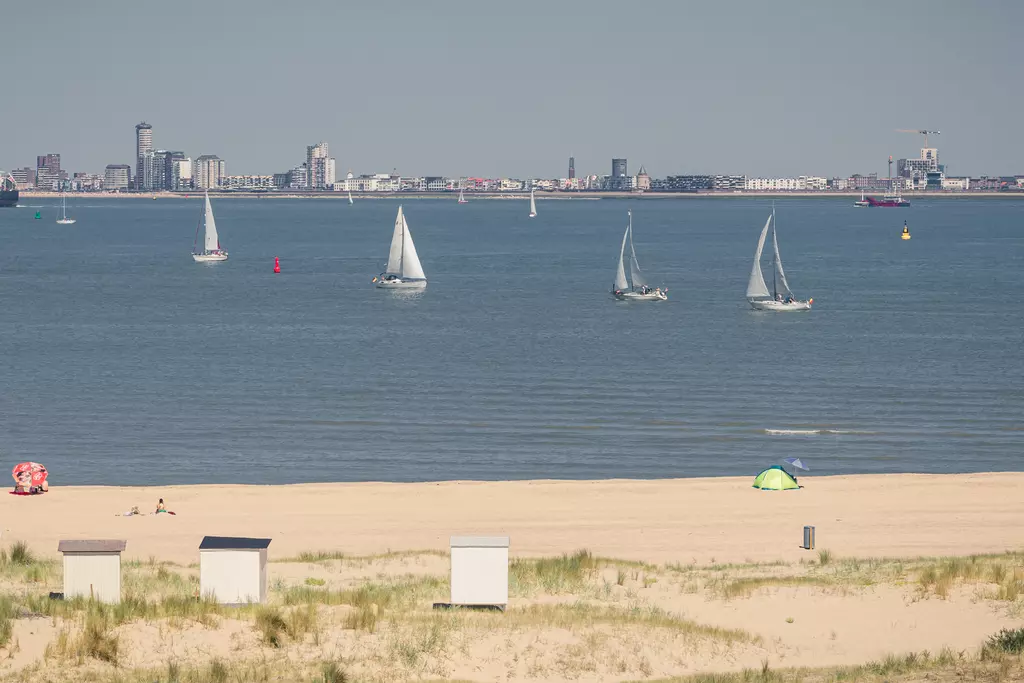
862 202
533 205
350 197
639 291
64 220
462 196
211 243
781 297
403 270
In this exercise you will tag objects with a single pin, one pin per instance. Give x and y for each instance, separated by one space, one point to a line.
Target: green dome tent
775 479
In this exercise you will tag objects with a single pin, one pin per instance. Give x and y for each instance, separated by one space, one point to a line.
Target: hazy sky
514 88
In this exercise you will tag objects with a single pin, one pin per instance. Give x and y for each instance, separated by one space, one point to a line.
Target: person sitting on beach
160 507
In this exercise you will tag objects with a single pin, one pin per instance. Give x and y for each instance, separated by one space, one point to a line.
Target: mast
775 290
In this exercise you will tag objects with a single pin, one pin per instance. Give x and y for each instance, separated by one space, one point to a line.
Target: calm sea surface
123 362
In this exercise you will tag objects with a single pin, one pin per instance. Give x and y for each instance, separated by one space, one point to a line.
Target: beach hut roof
479 542
233 543
91 546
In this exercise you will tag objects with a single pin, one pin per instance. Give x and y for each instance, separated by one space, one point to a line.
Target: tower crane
925 133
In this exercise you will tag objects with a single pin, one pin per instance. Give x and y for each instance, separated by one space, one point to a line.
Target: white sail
411 268
212 242
395 255
533 204
350 196
781 286
756 286
620 274
462 197
634 266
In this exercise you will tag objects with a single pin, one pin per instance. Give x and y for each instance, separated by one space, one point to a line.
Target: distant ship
8 191
893 198
888 200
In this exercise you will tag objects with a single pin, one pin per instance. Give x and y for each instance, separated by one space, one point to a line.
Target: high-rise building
48 173
117 177
298 177
319 167
208 172
181 173
143 145
572 167
619 179
51 162
24 177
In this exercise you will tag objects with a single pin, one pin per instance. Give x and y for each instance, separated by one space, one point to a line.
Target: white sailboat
403 270
211 242
64 220
462 197
533 205
350 197
863 201
639 290
781 297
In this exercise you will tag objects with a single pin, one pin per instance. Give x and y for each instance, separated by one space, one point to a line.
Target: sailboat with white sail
462 196
636 288
404 270
211 252
863 201
533 205
781 297
64 220
350 197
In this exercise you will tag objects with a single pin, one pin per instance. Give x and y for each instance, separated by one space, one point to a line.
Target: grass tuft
271 626
824 557
563 574
1010 641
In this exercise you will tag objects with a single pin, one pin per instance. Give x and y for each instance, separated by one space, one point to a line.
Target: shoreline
520 196
670 520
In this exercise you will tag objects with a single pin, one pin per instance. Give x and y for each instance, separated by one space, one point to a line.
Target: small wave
811 432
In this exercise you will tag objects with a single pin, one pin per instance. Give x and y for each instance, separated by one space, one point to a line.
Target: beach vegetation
271 626
824 557
563 574
1010 641
8 613
94 640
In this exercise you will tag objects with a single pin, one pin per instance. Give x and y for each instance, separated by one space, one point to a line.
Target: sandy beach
682 577
684 520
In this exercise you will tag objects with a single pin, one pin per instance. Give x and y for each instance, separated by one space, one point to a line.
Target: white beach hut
92 569
479 572
233 570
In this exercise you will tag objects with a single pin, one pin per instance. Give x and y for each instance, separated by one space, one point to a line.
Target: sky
513 89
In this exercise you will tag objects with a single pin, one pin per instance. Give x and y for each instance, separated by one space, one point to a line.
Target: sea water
124 362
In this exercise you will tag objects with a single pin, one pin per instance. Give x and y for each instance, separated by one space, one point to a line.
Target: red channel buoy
277 265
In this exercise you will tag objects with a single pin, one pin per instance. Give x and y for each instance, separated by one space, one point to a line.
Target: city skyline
514 91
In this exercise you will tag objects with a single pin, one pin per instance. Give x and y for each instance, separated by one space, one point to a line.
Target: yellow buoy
906 232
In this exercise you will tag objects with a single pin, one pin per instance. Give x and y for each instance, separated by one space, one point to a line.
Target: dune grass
946 665
564 574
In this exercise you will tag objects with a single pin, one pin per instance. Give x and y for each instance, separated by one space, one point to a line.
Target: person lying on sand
160 507
131 513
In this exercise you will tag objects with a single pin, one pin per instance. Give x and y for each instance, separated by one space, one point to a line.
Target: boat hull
66 221
637 296
779 306
210 258
888 202
8 197
401 284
